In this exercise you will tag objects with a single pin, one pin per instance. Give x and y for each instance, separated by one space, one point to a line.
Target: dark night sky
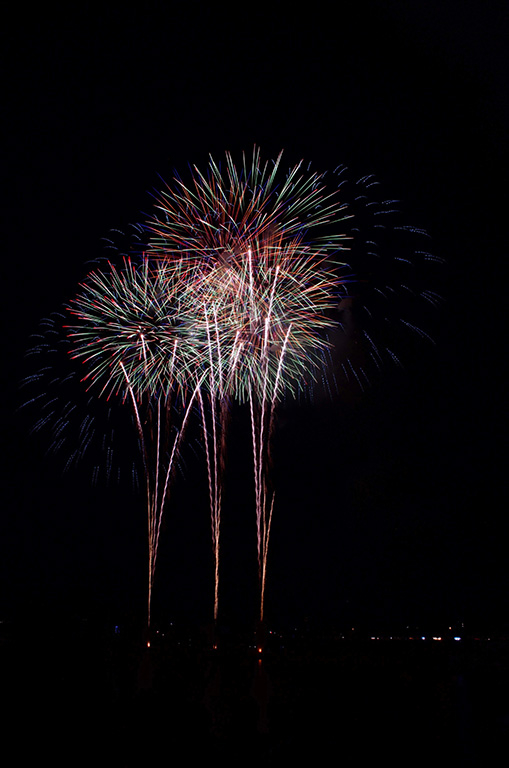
392 505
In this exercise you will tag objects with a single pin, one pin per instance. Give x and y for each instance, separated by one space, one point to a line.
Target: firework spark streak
215 453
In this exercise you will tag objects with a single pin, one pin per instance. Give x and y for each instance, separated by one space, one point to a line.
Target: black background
391 505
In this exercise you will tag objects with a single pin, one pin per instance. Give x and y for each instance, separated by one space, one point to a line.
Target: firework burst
221 212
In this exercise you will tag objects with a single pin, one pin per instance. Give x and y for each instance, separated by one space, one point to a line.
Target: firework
131 331
241 294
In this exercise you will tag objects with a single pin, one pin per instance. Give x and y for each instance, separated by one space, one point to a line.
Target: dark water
89 696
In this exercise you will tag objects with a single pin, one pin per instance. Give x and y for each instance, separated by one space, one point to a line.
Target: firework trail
289 296
130 331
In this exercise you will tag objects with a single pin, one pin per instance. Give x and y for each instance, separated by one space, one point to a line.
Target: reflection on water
81 695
